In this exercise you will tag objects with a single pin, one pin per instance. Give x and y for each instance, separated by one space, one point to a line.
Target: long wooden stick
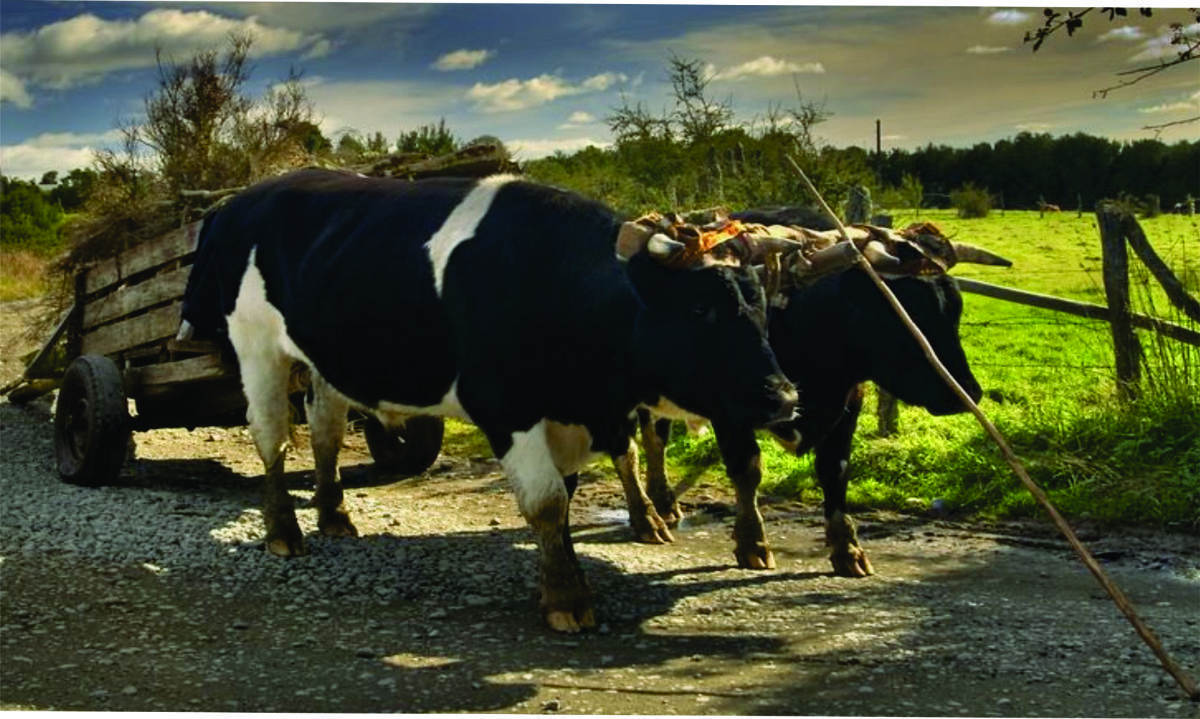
1148 636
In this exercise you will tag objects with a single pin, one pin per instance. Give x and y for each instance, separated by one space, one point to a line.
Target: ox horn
632 239
977 255
834 258
662 247
878 255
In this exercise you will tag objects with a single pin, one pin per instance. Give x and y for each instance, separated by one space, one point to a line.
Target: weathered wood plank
188 370
44 364
1115 263
174 245
1079 309
158 324
1175 290
193 346
127 300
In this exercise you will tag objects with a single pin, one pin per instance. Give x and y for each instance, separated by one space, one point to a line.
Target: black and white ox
829 338
498 301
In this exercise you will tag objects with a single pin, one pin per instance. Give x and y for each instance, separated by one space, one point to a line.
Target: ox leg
832 463
326 409
743 462
655 435
544 501
264 381
647 526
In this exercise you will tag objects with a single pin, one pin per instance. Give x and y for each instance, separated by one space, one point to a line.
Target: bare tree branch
1141 73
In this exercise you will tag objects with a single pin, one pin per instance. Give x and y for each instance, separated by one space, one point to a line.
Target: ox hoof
760 557
286 547
570 622
338 525
851 562
651 529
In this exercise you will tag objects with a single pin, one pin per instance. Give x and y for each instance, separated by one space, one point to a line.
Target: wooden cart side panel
196 369
153 326
127 300
172 246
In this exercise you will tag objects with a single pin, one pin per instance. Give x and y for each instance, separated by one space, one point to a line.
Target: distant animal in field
1044 207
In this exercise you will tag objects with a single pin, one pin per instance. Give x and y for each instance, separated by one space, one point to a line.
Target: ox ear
971 253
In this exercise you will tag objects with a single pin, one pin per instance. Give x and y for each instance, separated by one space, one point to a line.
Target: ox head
894 359
700 339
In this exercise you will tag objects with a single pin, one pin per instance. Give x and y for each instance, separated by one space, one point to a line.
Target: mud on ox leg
653 507
326 409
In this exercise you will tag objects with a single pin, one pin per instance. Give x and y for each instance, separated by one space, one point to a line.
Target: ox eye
702 311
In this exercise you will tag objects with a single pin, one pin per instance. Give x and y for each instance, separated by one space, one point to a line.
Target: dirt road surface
155 594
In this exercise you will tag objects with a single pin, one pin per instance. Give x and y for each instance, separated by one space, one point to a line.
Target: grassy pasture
22 275
1049 387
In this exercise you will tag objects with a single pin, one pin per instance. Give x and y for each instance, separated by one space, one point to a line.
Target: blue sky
542 77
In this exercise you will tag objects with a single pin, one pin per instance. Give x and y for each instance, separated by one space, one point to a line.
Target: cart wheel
91 422
410 449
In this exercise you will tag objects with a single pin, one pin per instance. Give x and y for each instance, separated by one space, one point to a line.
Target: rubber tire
410 449
91 422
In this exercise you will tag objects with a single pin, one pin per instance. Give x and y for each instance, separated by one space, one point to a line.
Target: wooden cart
118 343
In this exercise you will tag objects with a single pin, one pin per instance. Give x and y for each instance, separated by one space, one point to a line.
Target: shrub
28 219
971 202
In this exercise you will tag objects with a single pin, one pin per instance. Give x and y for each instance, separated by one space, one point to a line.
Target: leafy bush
971 202
28 219
429 139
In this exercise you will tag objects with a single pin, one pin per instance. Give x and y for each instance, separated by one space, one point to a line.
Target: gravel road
155 594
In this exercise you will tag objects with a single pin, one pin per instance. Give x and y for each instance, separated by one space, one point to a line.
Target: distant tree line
1068 171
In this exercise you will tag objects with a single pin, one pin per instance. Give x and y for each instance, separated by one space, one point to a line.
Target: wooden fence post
1126 347
1176 292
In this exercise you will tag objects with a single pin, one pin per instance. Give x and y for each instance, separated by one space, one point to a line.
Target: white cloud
380 106
576 119
1192 104
515 94
326 17
534 149
1160 47
1034 126
12 90
1125 33
86 48
463 59
764 66
987 50
1168 108
60 151
1009 17
603 81
321 48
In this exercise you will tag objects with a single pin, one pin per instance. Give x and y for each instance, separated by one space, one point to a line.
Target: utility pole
878 153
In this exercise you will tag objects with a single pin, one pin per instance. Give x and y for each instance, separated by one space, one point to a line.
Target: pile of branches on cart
129 207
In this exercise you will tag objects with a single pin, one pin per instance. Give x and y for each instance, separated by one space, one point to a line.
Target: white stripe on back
460 226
